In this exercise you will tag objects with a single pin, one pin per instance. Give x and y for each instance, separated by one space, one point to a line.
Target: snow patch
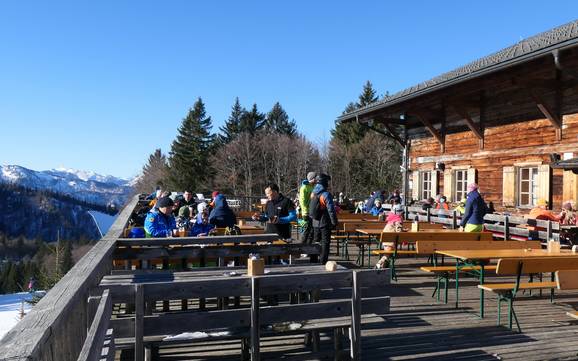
10 305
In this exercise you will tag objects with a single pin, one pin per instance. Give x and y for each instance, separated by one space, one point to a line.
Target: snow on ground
10 310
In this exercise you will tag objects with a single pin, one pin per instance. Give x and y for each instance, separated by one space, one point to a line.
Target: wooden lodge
504 121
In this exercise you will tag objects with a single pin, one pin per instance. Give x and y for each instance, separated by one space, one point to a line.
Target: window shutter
434 183
416 186
544 182
471 176
570 187
449 184
509 187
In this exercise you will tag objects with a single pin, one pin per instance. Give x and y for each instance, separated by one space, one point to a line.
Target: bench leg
436 289
499 310
446 281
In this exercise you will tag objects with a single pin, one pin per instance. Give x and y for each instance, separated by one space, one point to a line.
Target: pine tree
352 133
278 121
232 126
154 172
190 151
66 261
252 120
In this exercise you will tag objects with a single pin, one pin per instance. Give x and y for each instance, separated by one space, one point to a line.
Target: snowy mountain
85 186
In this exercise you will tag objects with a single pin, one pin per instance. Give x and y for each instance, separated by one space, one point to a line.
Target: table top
153 276
377 232
505 253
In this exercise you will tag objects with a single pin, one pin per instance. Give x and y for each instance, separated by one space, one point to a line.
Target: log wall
504 146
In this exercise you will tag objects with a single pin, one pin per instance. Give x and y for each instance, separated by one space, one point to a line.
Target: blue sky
98 86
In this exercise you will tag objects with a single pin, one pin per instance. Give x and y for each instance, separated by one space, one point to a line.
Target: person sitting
568 215
461 207
222 216
202 228
428 204
160 221
541 211
443 207
394 223
376 210
186 217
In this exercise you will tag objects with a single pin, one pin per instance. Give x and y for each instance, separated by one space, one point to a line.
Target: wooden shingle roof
558 38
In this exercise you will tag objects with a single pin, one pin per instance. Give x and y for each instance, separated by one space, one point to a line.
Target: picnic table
468 258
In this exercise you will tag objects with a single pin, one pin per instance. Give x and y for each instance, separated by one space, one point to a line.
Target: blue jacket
222 216
157 224
475 209
329 216
199 228
376 211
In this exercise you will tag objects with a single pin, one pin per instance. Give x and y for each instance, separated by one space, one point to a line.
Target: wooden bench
249 324
443 273
568 280
526 266
410 238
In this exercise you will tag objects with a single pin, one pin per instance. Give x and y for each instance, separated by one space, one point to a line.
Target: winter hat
215 194
165 202
201 207
311 176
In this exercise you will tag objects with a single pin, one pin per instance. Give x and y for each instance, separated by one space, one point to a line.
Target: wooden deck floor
419 328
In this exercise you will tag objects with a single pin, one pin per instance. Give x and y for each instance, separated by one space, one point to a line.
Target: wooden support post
433 131
506 228
550 114
549 231
139 323
428 215
355 318
454 219
92 306
255 324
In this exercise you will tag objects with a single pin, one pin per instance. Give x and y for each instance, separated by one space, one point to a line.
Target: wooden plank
255 321
567 279
430 247
217 251
139 323
93 344
182 241
355 348
538 265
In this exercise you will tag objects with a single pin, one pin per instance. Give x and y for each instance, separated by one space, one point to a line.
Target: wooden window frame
464 181
422 183
533 186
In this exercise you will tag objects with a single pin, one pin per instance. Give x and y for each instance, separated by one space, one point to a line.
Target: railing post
255 323
454 219
139 323
506 228
549 231
355 337
428 215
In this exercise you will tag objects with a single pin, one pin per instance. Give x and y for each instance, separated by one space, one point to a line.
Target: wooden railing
503 226
56 328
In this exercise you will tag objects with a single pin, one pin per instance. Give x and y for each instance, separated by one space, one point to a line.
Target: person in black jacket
322 210
279 212
222 216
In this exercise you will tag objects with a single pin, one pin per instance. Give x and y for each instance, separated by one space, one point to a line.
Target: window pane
524 199
525 187
524 175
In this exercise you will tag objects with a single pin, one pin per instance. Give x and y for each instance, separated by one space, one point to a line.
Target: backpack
316 209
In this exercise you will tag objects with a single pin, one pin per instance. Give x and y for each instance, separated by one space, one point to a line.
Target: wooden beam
429 126
469 121
548 113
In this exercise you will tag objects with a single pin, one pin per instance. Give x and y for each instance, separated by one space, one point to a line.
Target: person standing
304 199
279 212
473 218
322 210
